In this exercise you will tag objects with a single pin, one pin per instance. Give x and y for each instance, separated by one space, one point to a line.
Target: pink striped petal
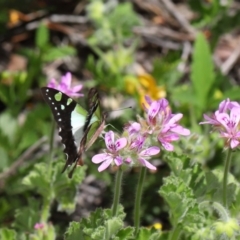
223 118
118 161
120 143
100 157
147 164
181 130
175 118
109 140
153 110
168 146
105 165
150 151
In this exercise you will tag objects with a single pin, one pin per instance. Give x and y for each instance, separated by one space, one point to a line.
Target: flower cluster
138 145
226 121
65 86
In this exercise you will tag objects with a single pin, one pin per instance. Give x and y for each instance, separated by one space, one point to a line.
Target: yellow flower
144 84
157 226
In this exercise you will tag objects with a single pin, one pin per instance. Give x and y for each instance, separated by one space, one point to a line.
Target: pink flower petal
223 118
67 79
77 88
100 158
52 84
168 146
180 130
234 143
105 165
168 137
148 100
223 106
118 161
109 140
163 102
153 110
39 226
120 143
175 118
128 160
210 120
147 164
133 128
150 151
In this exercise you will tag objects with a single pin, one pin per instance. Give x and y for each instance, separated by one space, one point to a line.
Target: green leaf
64 188
38 180
99 225
148 233
8 234
8 126
202 71
175 190
27 217
4 158
123 19
74 232
42 36
54 53
125 233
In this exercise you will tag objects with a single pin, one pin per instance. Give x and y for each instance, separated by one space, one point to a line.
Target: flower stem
225 177
117 193
221 211
176 233
138 199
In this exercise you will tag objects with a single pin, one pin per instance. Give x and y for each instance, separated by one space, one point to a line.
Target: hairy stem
225 176
138 198
117 192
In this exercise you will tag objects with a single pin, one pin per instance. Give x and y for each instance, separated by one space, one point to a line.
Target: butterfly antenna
120 109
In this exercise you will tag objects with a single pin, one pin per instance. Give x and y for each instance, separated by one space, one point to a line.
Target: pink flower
164 124
146 154
65 86
226 120
133 128
138 153
112 152
39 226
230 127
224 106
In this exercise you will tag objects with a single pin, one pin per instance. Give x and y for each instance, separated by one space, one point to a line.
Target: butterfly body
76 126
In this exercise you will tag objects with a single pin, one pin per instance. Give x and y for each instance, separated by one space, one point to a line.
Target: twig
13 168
163 32
176 14
229 63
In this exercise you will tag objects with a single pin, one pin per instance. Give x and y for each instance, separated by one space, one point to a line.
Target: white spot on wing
47 90
62 107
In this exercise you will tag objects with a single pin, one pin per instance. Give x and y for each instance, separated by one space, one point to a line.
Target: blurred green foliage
28 196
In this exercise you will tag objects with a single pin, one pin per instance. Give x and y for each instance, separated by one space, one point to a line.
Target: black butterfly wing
93 104
62 109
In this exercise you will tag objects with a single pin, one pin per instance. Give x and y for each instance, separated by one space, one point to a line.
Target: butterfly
78 128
